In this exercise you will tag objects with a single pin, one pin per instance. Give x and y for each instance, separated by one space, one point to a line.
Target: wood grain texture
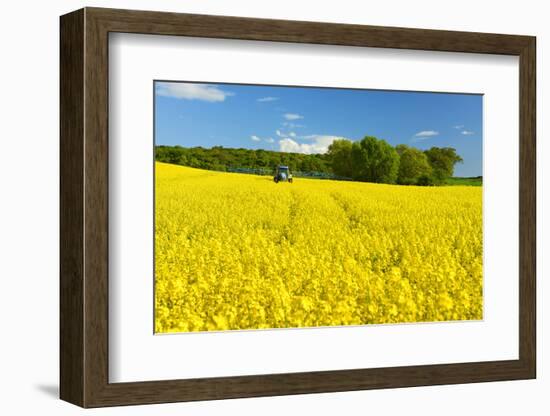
96 208
71 187
84 207
527 207
226 27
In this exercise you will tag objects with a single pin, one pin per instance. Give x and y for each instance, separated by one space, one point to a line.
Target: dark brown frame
84 207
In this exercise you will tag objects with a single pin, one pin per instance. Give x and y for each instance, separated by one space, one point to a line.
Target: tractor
282 174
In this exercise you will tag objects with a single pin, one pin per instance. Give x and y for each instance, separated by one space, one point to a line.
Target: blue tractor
282 174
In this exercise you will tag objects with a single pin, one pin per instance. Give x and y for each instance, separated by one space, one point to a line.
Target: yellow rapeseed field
237 251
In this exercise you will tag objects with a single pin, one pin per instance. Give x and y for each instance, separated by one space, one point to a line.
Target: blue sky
307 120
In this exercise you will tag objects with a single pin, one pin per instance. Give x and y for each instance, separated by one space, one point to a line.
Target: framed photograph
255 207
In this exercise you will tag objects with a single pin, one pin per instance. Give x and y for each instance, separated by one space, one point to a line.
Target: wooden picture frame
84 207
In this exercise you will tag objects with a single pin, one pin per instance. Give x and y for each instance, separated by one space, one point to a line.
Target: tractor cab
282 174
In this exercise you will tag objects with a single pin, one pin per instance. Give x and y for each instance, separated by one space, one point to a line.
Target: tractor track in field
353 220
292 214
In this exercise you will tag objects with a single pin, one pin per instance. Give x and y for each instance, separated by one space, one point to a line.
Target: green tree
413 164
339 153
443 161
400 148
223 159
374 160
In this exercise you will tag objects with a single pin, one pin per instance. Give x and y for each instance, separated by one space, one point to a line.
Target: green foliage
374 160
425 180
339 153
442 161
400 148
370 160
475 181
223 159
413 165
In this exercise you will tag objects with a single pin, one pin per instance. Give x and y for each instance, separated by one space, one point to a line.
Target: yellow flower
237 251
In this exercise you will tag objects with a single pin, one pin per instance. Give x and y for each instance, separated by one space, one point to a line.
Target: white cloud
427 133
320 144
185 91
467 132
255 138
423 135
267 99
269 140
278 133
293 116
292 134
290 146
459 126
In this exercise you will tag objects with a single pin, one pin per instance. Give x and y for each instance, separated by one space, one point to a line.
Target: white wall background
29 207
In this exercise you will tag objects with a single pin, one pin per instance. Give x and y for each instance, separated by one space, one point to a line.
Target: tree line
370 160
225 159
375 160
